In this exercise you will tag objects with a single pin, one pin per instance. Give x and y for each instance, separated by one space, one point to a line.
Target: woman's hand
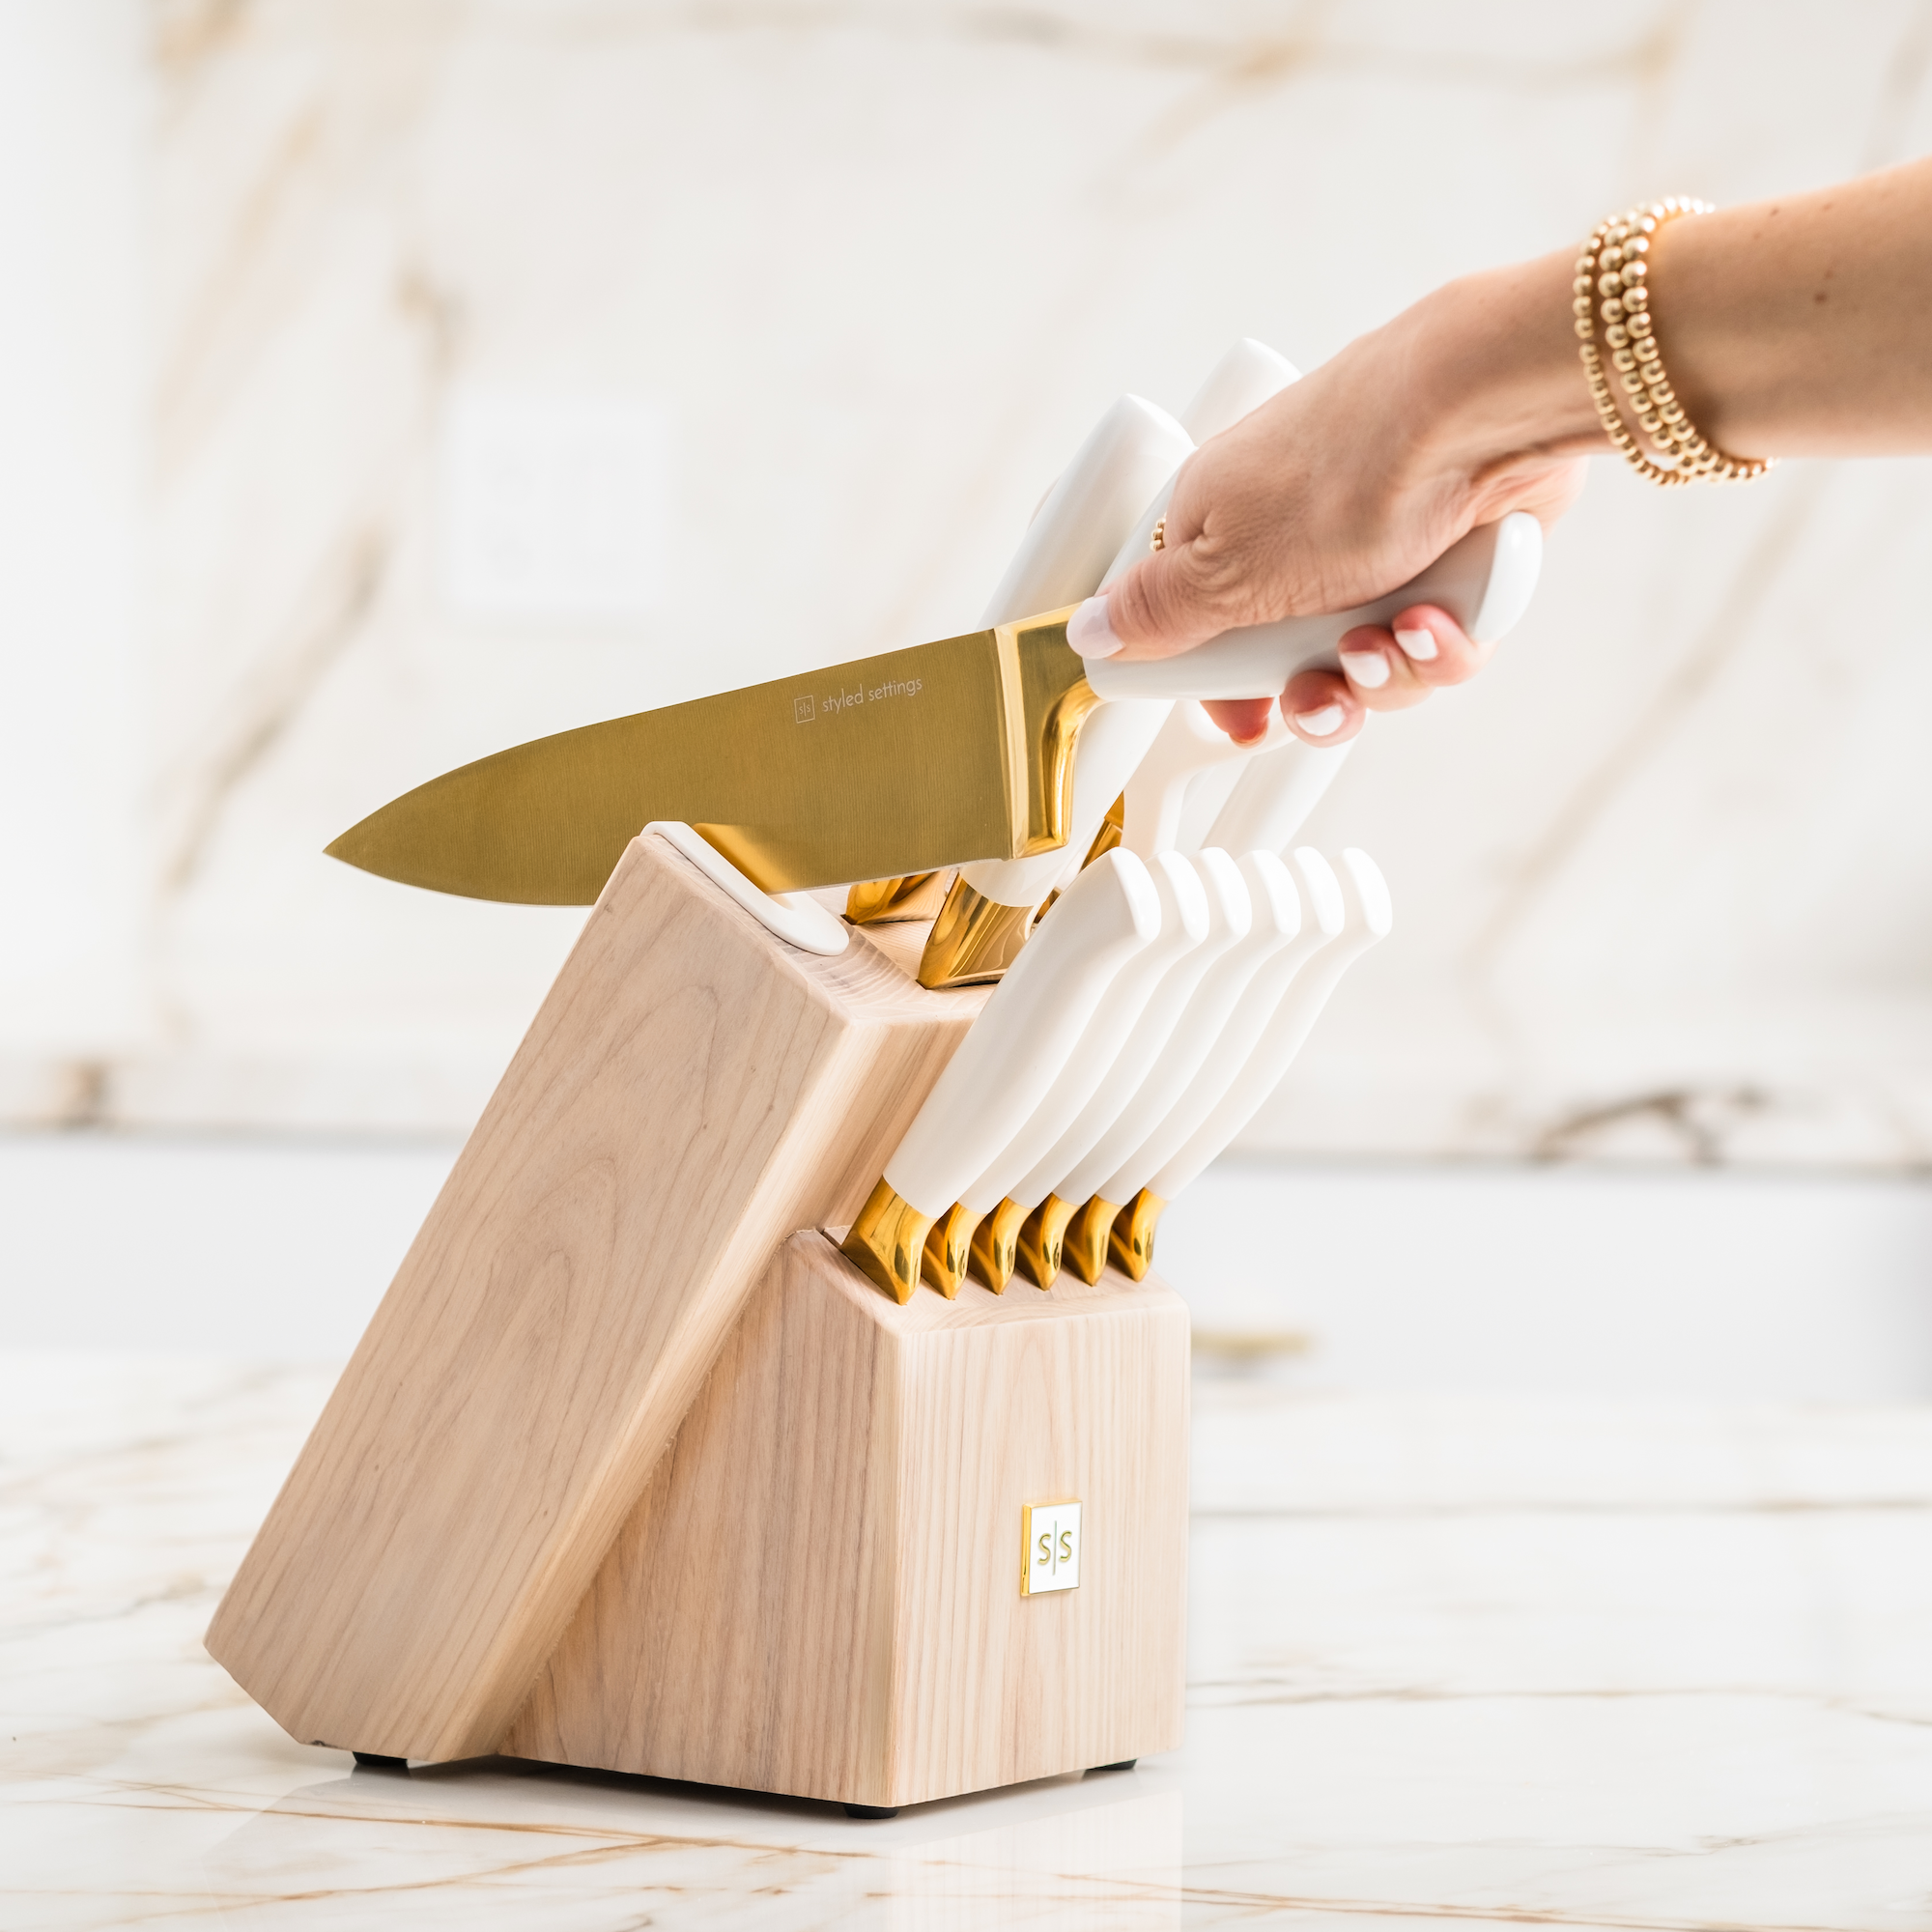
1347 483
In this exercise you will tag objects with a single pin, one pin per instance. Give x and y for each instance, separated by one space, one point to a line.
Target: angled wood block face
690 1092
820 1591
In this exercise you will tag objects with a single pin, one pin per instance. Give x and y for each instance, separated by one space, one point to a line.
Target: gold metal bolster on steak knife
1039 1242
973 939
888 902
886 1241
1084 1246
1130 1240
949 1248
996 1245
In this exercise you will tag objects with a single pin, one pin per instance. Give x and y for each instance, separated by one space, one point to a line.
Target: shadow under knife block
633 1470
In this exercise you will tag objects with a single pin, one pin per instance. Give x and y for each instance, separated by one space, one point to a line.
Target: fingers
1149 611
1245 720
1390 668
1178 596
1383 670
1321 707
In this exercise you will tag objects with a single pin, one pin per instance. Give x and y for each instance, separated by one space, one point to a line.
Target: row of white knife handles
1161 1001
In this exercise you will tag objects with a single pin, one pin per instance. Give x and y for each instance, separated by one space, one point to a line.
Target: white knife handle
1368 918
1204 1058
1110 1020
1274 794
1241 381
1178 803
1087 513
1484 582
1062 558
1025 1032
1084 533
1297 909
1231 919
1189 744
1113 742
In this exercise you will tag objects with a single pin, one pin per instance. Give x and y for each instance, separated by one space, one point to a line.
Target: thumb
1160 604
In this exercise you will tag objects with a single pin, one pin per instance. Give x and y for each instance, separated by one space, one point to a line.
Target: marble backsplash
806 303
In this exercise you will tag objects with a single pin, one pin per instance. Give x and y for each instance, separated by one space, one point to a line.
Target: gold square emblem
1049 1547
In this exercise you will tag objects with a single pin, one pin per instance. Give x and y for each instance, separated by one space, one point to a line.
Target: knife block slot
628 1471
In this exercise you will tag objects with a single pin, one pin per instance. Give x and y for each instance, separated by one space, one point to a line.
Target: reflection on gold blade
898 764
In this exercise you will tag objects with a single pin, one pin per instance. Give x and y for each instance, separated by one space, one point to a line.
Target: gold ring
1158 541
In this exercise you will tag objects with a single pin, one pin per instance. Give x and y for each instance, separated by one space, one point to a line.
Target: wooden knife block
633 1470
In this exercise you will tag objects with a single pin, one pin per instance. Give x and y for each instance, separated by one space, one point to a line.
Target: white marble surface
867 272
1598 1281
1458 1662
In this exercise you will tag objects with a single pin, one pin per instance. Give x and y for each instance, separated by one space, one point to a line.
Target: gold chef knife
934 757
888 765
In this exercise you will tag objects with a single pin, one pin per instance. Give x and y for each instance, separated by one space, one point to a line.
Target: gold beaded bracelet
1611 282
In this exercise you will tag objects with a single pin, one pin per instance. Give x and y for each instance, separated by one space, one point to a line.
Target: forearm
1800 326
1790 327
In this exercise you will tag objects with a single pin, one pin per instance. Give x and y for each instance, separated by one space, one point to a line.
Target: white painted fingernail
1089 632
1318 723
1368 668
1419 644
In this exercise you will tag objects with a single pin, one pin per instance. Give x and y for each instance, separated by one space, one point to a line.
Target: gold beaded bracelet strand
1611 281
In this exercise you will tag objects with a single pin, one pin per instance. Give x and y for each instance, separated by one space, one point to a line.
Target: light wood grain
819 1592
691 1091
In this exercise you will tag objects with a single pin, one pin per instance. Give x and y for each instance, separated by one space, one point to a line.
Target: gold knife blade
905 762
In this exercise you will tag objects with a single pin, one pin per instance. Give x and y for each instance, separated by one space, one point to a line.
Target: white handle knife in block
991 1227
1050 1209
1296 909
1195 1133
1274 794
1240 383
1063 557
1084 533
1004 1065
1369 916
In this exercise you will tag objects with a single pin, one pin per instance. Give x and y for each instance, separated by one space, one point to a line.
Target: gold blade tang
901 763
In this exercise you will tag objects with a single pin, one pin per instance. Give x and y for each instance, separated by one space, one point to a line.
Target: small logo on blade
803 711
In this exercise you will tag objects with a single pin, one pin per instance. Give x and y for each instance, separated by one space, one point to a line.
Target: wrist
1496 376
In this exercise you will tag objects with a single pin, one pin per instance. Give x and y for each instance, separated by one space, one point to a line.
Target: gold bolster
974 938
996 1245
1040 1239
948 1247
886 1239
1130 1240
1084 1246
887 901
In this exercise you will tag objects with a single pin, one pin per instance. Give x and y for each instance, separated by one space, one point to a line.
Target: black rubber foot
1126 1764
871 1810
375 1761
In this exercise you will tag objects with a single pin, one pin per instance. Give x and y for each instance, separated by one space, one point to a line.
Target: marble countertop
1462 1661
